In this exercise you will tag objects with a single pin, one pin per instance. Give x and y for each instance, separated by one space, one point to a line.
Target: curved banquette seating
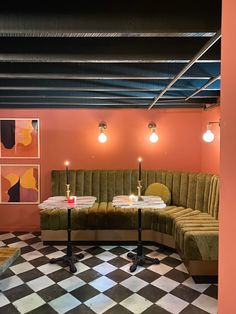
189 223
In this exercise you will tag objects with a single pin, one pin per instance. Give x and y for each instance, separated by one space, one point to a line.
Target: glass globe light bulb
153 137
102 138
208 136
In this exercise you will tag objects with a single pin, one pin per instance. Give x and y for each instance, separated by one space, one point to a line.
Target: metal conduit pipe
212 80
203 50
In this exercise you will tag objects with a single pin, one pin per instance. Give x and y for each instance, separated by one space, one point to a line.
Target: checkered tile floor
102 284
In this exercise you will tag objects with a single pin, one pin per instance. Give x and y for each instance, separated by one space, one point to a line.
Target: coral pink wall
227 269
72 135
210 152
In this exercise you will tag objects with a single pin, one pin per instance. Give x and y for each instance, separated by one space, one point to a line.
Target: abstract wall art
19 184
19 138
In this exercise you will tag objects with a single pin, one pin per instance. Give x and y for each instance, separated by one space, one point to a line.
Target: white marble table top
60 202
124 201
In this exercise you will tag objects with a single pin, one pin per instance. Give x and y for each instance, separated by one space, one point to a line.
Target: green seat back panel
79 183
175 189
206 193
88 182
72 175
159 177
111 177
151 177
127 182
169 180
183 189
213 201
96 186
200 188
192 185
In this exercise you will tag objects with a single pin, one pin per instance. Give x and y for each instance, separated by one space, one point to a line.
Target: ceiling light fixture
209 136
102 138
153 138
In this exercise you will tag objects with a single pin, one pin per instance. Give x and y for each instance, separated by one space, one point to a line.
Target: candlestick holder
139 187
67 190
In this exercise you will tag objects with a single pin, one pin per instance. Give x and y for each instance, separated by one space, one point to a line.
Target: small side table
69 259
140 258
61 203
148 202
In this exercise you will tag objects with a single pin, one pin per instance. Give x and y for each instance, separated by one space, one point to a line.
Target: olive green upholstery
191 219
159 189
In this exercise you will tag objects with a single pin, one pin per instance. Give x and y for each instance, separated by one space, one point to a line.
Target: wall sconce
209 136
102 138
153 138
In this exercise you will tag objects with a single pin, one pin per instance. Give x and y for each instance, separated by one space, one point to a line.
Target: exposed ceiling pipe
97 97
90 89
164 104
47 33
107 23
67 58
212 80
203 50
65 76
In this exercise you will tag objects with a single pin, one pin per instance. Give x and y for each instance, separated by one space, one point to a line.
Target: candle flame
67 163
139 159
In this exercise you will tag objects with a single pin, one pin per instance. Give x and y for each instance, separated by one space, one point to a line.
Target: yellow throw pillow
159 189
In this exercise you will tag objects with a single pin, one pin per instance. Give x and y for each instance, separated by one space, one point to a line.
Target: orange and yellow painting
19 183
19 138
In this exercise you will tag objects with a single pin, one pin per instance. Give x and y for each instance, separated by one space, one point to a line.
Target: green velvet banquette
189 223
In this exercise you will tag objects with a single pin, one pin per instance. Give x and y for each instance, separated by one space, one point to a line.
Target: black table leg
69 259
139 258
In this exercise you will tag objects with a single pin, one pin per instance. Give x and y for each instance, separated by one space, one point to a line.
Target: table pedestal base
140 258
68 261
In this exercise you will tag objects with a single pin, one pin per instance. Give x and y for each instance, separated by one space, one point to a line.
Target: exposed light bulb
102 138
208 136
153 137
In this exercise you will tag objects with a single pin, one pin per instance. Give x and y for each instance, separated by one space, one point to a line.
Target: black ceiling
122 54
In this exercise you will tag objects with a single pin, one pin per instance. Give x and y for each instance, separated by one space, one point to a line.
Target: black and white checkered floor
102 283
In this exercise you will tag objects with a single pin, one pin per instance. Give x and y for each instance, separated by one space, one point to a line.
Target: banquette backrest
199 191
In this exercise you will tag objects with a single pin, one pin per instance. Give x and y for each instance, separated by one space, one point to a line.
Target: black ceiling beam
93 77
12 105
116 50
112 18
103 94
145 69
97 85
32 101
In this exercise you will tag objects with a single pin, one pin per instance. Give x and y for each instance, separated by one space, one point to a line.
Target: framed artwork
19 184
19 138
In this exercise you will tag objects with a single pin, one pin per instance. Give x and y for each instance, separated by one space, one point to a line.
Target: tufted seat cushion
201 244
164 218
195 236
100 216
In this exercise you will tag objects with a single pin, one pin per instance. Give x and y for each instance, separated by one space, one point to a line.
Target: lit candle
139 168
71 200
67 172
131 199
